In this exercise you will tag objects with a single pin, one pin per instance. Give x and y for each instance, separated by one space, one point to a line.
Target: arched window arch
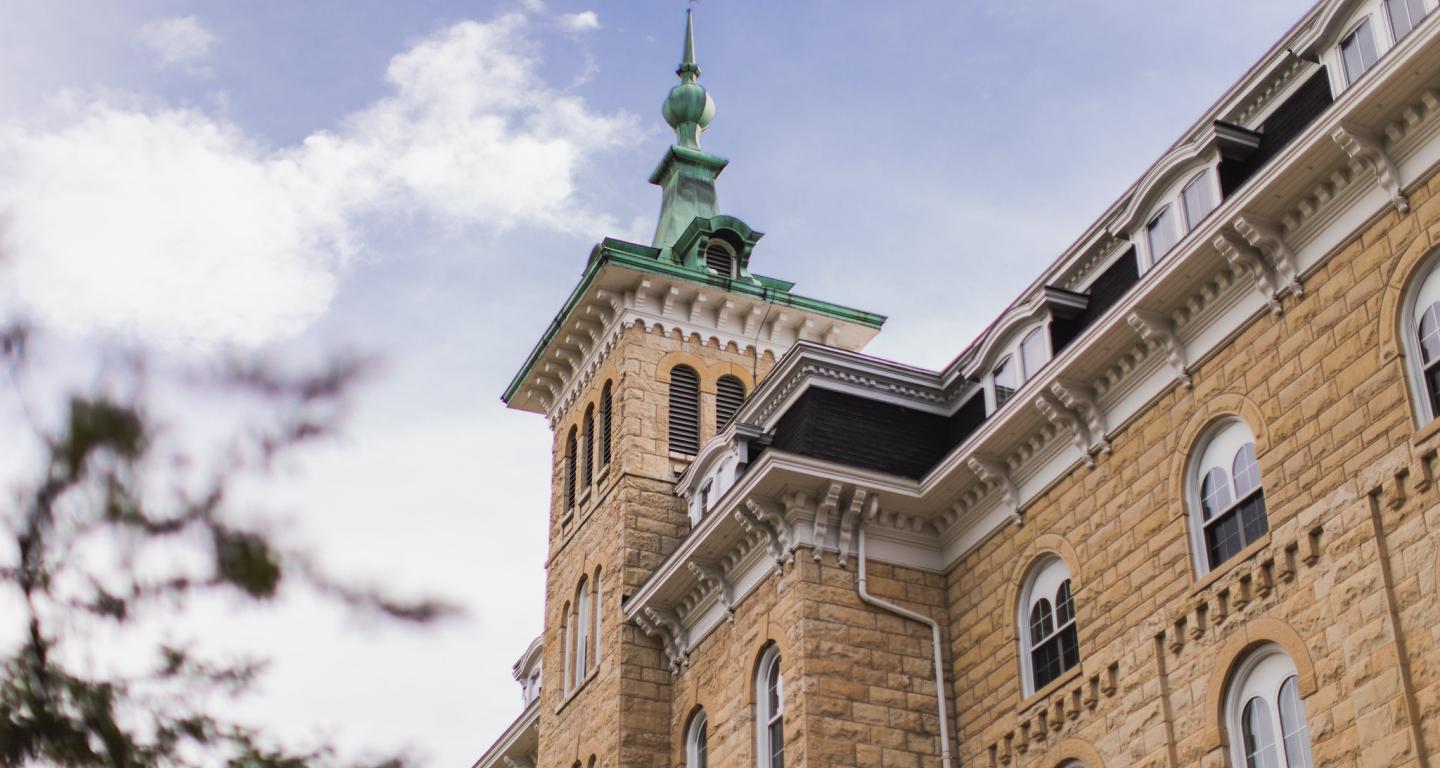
570 469
720 258
1264 715
589 444
729 396
1422 341
684 410
583 619
605 411
567 648
1226 495
697 749
769 711
1048 636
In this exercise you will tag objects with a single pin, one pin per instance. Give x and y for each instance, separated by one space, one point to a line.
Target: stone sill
1427 432
1038 697
1201 583
574 692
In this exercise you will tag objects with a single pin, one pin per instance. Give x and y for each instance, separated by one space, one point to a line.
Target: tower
653 349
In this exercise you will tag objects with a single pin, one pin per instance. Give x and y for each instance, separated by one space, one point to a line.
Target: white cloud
180 40
580 22
173 225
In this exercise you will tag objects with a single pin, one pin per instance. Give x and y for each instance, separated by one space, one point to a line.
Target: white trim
764 717
1420 289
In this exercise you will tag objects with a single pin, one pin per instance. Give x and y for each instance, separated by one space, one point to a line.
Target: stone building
1176 506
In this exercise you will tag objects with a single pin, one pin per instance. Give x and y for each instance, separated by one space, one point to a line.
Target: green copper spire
686 174
689 109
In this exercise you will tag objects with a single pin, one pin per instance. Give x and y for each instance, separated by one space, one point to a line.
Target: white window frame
1014 352
1263 673
1209 178
1042 581
696 735
582 630
1346 79
764 718
1396 37
1422 292
1194 477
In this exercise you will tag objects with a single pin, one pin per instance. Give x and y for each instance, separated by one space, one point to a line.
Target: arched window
570 470
605 395
719 258
729 394
1264 715
599 615
696 749
1227 499
684 410
769 711
582 630
589 441
1048 635
1422 341
567 648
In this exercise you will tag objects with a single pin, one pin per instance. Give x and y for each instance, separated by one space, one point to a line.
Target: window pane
1214 493
1199 200
1259 736
777 743
1404 15
1245 471
1032 353
1069 648
1292 725
1006 381
1162 235
1046 662
1358 51
774 687
1430 334
1234 530
1064 606
1042 622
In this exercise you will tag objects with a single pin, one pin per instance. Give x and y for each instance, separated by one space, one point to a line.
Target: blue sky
422 181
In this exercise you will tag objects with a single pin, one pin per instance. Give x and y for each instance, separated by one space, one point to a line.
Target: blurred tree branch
102 482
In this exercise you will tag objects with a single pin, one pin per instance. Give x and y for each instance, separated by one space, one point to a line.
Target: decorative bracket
823 513
1076 397
996 473
756 518
1158 331
1067 420
674 634
672 651
1266 237
1368 148
1240 254
724 590
848 523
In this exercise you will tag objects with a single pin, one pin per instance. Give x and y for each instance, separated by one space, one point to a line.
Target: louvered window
719 258
589 446
605 425
570 470
729 394
684 410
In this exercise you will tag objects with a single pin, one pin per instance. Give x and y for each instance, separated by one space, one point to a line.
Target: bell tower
643 363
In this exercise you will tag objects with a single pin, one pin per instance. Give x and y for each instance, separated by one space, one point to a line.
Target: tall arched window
696 737
769 711
684 410
599 616
605 406
567 648
1422 341
1264 715
1048 636
582 629
719 258
729 395
589 444
570 470
1227 499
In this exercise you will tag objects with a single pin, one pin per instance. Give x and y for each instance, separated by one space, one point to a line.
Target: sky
421 183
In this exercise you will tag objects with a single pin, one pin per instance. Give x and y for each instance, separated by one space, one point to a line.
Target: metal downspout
866 597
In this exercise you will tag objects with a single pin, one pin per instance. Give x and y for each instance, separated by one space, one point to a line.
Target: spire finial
688 108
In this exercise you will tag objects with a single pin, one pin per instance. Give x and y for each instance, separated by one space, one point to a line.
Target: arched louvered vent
719 258
684 410
729 394
570 470
589 445
605 425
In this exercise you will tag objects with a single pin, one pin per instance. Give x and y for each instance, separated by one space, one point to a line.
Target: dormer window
1357 51
1404 15
1161 234
1033 353
1198 197
1007 380
719 258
